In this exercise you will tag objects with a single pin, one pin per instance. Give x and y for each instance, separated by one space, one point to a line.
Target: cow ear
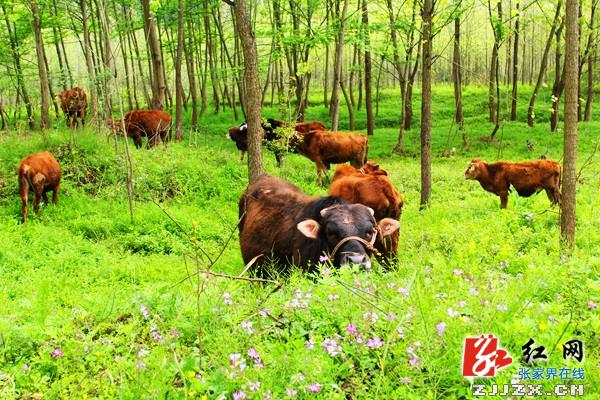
309 228
371 211
326 210
387 226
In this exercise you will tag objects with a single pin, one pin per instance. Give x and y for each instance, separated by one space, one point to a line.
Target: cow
154 124
41 173
271 126
526 177
369 185
325 148
73 102
282 224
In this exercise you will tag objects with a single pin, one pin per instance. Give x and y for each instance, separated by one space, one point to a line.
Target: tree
43 73
515 68
457 74
427 14
158 75
178 83
567 218
494 86
252 89
368 72
337 68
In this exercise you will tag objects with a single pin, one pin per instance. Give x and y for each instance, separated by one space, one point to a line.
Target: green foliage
109 294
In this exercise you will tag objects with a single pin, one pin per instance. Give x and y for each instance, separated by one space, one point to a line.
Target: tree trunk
559 83
368 69
567 220
251 90
108 61
515 68
158 80
348 105
543 65
178 83
43 73
494 100
91 72
590 89
191 71
427 14
337 69
456 74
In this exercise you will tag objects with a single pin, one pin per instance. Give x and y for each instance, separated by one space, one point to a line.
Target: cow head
473 169
237 131
348 232
114 126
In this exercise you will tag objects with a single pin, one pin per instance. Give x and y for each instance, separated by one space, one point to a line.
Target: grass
110 293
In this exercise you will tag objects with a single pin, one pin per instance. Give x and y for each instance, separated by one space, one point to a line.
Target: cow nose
356 258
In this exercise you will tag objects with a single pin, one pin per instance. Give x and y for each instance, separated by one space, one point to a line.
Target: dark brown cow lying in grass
325 148
153 124
526 177
41 173
73 102
370 186
281 223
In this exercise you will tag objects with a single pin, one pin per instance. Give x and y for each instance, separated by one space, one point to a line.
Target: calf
370 186
73 102
41 173
326 148
279 222
240 134
154 124
526 177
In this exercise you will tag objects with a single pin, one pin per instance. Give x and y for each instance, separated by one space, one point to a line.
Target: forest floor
94 306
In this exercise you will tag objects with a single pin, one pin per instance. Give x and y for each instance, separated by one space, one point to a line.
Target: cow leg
24 189
241 155
279 158
137 141
553 195
38 188
45 197
55 194
503 199
320 167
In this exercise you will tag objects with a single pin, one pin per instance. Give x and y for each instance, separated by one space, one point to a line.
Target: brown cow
73 102
280 223
370 186
526 177
325 148
154 124
239 134
41 173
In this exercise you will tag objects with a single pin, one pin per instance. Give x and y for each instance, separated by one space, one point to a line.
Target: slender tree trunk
109 70
567 221
559 83
50 86
158 80
493 82
368 69
91 72
456 74
590 88
251 90
348 105
43 73
189 59
427 14
515 68
337 73
543 65
326 77
178 83
585 57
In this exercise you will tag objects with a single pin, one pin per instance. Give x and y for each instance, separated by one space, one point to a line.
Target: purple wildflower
56 353
310 344
474 291
403 291
315 387
145 312
140 365
391 316
174 333
237 361
374 343
254 386
414 360
323 259
333 297
371 315
405 380
253 354
331 347
247 326
441 328
462 303
400 332
592 305
227 298
502 307
351 329
451 312
457 272
239 395
25 367
290 392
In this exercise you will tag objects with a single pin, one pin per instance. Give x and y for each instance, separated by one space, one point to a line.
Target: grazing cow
526 177
73 102
154 124
370 186
240 134
41 173
325 148
279 222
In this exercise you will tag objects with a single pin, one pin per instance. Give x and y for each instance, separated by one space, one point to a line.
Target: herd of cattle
280 224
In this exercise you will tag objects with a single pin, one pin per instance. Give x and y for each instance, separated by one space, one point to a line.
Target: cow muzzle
355 258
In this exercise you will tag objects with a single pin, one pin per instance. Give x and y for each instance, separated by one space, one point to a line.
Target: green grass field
94 306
